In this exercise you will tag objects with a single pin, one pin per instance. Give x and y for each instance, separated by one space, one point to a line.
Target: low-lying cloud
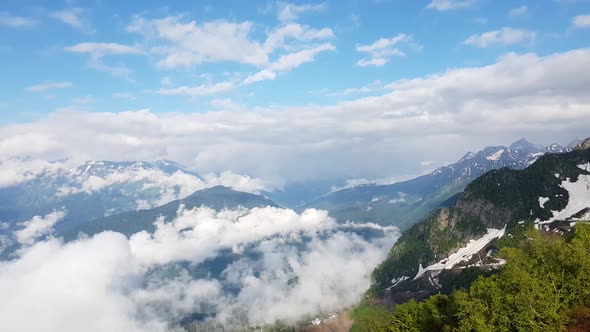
37 227
149 186
286 266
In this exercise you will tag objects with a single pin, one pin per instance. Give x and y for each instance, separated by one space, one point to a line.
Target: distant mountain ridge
131 222
92 189
403 204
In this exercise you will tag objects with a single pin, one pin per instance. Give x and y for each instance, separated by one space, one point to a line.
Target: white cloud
148 186
49 86
185 44
199 90
37 227
284 63
293 60
290 12
99 50
281 37
505 36
14 171
188 44
74 287
540 97
445 5
518 11
262 75
581 21
16 21
382 50
73 17
201 233
303 264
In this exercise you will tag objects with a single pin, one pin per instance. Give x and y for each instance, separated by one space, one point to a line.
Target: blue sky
291 90
37 38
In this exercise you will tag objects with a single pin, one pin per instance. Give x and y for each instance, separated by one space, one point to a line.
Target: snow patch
396 281
579 199
542 201
495 156
465 253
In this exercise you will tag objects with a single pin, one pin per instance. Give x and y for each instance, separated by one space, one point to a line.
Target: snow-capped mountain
105 168
404 203
94 189
518 155
552 194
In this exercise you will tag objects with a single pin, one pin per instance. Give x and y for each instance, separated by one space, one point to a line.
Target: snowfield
465 253
579 198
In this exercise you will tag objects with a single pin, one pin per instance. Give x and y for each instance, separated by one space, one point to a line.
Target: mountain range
131 222
450 218
403 204
96 190
552 194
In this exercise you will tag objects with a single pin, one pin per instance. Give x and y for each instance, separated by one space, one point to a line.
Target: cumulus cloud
382 50
299 265
74 287
182 44
37 227
505 36
198 234
327 276
14 171
581 21
540 97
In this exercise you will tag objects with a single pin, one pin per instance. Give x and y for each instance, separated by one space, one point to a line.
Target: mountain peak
219 188
523 144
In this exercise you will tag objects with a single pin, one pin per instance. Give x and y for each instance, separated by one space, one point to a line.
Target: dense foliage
542 287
